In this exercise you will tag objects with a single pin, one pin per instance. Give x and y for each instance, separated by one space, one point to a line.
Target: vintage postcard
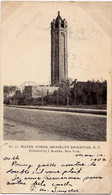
56 100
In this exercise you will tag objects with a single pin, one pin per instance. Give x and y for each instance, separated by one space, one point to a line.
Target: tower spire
58 13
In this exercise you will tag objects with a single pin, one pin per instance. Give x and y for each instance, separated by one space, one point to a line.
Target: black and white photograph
55 62
56 101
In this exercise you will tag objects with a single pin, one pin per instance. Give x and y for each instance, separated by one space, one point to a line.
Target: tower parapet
59 63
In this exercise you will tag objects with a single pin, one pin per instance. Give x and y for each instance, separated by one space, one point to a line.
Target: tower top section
59 22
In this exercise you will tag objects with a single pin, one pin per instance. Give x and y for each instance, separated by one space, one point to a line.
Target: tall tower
59 62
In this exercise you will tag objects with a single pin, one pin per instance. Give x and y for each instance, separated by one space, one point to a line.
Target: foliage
90 92
86 93
9 89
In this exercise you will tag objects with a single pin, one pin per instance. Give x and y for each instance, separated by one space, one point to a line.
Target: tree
74 84
64 90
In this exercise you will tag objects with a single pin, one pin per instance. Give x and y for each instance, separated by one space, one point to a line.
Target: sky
26 40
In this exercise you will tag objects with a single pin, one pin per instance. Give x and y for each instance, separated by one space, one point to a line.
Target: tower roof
59 22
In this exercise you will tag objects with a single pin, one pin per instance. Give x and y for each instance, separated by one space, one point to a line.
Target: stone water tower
59 62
